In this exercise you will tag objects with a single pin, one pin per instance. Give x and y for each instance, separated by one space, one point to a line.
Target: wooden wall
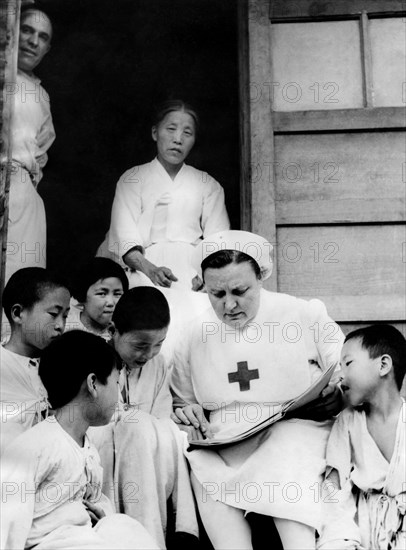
328 144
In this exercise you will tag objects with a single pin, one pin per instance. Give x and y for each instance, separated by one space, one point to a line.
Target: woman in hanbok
252 349
163 209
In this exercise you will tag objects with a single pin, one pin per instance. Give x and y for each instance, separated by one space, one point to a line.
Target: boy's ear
386 365
91 384
16 311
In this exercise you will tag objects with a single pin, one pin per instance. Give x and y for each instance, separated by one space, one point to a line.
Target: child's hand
324 407
192 415
95 512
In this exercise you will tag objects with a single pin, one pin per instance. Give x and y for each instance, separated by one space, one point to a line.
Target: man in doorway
32 135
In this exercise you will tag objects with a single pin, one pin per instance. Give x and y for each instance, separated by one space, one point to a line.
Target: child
51 476
142 455
141 320
36 303
366 450
98 286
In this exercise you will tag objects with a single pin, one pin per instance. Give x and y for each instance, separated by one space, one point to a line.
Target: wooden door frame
9 24
257 188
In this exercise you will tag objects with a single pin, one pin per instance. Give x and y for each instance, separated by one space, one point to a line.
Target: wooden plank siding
340 178
358 271
283 10
340 120
335 174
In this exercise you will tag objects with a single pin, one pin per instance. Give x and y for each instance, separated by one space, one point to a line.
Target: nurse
253 348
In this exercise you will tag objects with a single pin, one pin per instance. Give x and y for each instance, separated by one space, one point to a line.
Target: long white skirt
277 473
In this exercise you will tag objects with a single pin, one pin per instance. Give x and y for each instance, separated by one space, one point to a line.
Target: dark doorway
111 61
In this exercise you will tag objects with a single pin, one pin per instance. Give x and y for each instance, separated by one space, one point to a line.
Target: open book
279 411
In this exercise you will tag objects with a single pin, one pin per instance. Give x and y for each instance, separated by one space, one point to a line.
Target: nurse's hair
67 361
94 270
170 105
381 340
221 258
141 308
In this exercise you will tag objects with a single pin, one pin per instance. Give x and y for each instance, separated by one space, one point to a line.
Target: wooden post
262 177
244 117
9 27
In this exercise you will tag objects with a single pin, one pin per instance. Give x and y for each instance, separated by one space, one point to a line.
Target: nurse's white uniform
288 344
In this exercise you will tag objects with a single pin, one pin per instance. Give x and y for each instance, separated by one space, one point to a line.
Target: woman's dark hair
94 270
68 361
222 258
141 308
171 105
29 285
381 340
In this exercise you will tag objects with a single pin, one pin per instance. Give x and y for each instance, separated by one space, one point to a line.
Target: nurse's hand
161 276
192 415
193 434
326 406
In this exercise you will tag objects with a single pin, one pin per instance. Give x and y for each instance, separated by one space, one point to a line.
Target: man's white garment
370 508
167 217
23 398
45 475
288 344
32 135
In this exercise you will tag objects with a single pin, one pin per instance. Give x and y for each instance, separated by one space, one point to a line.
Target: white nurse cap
258 248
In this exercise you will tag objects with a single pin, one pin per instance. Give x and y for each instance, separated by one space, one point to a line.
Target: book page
278 412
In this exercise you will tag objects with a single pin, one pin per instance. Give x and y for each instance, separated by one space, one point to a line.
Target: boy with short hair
140 325
36 303
365 496
142 455
51 474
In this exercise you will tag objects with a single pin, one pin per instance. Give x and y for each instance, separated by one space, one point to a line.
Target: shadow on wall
110 62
